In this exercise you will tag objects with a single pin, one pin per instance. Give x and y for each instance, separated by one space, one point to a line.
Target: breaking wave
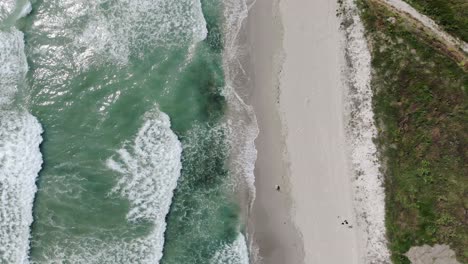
20 137
106 31
150 169
234 253
20 162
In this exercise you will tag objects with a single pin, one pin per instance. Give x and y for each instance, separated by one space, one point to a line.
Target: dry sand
299 105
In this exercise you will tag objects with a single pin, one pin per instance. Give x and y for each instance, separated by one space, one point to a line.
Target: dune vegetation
420 104
452 15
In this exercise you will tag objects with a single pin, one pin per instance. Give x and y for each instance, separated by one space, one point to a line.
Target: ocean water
122 138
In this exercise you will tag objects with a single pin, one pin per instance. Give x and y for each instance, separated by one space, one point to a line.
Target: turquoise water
131 98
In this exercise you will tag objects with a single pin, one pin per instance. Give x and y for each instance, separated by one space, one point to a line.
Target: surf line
20 137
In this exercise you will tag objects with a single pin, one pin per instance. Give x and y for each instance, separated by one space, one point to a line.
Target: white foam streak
235 12
235 253
132 25
6 8
241 117
369 195
150 169
13 65
100 32
25 10
242 124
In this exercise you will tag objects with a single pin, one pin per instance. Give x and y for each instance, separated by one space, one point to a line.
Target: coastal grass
452 15
421 111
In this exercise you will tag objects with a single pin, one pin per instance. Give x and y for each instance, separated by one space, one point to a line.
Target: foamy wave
12 10
150 169
20 136
13 65
132 26
235 12
242 121
20 162
6 8
369 195
235 253
242 131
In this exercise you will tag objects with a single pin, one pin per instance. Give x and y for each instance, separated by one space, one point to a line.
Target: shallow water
131 98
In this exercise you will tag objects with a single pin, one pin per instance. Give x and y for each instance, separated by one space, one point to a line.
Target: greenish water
135 148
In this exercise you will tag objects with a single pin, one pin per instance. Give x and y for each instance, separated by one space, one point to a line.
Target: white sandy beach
312 103
274 233
301 145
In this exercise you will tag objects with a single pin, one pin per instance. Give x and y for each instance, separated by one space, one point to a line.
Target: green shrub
420 105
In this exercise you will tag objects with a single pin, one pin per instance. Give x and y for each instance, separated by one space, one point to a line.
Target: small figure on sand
277 187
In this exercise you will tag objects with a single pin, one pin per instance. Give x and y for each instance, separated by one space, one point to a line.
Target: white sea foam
235 12
20 136
20 162
6 8
24 10
11 11
369 195
235 253
132 25
98 32
150 169
242 130
13 65
242 123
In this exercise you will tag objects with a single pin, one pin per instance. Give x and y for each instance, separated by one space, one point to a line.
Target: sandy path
404 7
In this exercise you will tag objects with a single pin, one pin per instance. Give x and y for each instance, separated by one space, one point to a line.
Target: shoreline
298 95
270 224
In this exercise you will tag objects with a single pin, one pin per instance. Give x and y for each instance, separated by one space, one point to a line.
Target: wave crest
150 169
20 162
